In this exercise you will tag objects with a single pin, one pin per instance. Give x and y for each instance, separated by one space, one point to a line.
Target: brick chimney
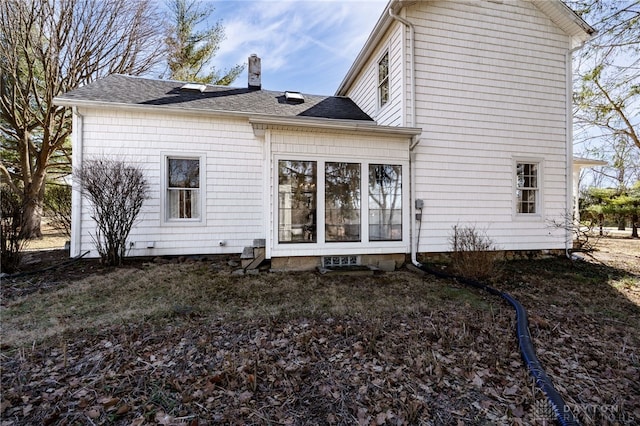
255 72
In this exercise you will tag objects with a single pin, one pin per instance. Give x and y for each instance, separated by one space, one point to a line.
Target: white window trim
321 246
164 219
384 52
538 215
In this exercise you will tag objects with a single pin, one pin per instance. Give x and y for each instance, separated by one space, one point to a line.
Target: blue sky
305 45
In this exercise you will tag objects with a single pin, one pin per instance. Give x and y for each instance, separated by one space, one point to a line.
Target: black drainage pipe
563 414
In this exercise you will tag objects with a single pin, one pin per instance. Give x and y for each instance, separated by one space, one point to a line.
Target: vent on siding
333 261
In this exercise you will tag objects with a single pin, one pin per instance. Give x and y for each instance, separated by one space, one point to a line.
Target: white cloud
296 39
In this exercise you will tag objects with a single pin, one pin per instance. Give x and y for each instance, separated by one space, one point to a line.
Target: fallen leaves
454 363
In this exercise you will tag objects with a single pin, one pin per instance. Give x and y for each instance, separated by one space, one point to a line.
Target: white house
454 112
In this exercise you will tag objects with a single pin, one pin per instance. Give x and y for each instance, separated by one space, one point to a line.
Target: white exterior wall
232 202
365 90
320 146
491 89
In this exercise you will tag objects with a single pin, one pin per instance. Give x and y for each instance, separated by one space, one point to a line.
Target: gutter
255 119
259 122
76 193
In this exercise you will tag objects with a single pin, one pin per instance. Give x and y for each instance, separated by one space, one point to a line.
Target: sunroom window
297 201
342 202
328 195
385 202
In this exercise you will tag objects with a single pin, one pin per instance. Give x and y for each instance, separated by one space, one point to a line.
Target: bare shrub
473 252
116 191
584 238
57 204
11 238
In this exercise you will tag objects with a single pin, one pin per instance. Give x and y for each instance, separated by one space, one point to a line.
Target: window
183 188
297 201
323 202
385 202
527 188
342 202
383 80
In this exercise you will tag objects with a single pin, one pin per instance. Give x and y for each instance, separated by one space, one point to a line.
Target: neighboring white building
453 113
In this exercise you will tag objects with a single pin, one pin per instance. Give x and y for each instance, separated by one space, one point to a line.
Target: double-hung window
527 189
183 177
383 80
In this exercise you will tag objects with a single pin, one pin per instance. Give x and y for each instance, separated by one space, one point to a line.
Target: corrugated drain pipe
563 414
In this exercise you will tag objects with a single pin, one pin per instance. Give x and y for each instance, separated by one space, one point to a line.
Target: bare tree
607 96
57 203
48 47
116 192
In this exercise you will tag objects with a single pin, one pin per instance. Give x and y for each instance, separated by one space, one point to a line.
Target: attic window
383 80
294 97
195 87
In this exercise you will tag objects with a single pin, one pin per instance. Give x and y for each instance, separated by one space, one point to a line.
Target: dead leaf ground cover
188 343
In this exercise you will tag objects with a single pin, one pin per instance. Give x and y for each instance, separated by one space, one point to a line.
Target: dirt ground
623 253
296 349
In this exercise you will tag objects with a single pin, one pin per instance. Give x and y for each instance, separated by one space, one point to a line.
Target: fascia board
148 108
253 118
339 125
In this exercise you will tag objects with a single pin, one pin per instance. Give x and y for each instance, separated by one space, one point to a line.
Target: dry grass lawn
189 343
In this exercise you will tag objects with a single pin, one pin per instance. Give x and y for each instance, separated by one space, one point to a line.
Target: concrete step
247 253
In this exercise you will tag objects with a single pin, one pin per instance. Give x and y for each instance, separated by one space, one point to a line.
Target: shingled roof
128 90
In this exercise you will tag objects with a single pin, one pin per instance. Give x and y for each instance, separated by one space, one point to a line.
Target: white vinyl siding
491 86
365 91
231 164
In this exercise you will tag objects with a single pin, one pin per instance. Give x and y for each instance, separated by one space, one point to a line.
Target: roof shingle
122 89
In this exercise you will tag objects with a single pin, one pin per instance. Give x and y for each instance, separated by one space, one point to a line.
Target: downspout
76 194
412 82
268 193
414 143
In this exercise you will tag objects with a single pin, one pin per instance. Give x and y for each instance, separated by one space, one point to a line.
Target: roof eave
579 30
151 108
358 126
587 162
254 119
570 22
